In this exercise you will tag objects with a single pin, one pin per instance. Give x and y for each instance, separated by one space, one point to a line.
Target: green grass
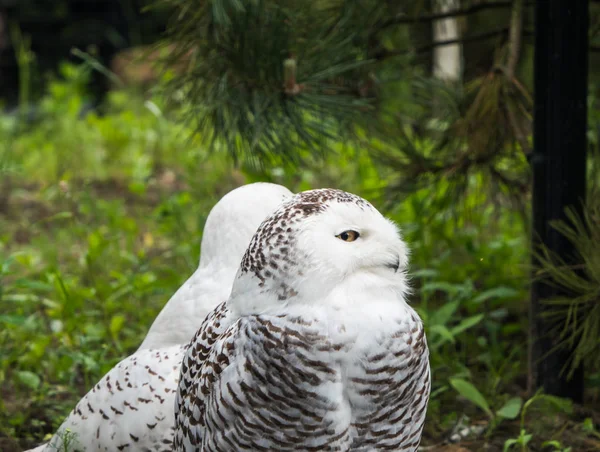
101 220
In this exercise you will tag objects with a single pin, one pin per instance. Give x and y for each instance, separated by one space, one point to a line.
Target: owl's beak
395 265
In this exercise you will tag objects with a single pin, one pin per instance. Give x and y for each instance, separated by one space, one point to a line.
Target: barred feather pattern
130 408
186 413
280 383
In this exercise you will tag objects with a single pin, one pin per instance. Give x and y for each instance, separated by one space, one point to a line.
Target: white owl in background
131 407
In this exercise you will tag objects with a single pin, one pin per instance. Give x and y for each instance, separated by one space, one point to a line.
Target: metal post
559 166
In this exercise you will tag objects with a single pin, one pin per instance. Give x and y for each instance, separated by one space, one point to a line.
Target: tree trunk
447 60
559 169
514 38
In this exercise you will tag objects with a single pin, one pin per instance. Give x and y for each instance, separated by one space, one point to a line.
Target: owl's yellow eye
348 236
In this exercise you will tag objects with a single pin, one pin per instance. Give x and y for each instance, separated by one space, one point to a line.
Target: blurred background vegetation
123 122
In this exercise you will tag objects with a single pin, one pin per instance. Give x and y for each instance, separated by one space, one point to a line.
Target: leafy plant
522 440
510 409
577 314
439 321
553 404
556 446
69 441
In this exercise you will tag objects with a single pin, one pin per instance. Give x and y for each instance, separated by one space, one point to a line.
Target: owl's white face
346 240
321 243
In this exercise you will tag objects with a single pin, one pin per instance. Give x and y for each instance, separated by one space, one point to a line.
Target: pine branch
383 54
403 19
576 316
514 51
268 79
514 41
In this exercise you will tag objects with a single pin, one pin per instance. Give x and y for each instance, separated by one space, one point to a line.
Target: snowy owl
131 407
316 349
227 232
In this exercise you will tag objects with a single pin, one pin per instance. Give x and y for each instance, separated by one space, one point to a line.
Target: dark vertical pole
559 165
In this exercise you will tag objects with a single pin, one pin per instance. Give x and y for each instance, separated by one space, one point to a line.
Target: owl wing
130 408
267 384
187 404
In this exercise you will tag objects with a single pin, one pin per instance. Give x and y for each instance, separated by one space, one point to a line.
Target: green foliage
551 405
69 441
264 78
522 440
259 71
556 446
463 143
511 408
577 313
101 220
470 392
